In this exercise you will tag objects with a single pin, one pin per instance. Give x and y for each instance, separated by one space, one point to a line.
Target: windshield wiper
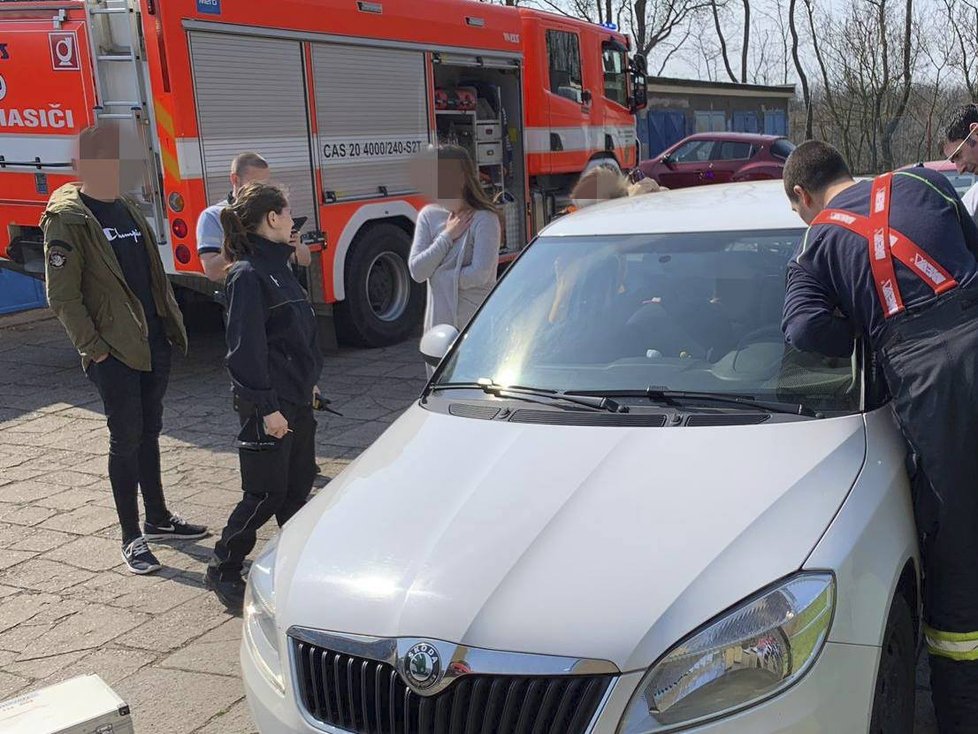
678 398
600 403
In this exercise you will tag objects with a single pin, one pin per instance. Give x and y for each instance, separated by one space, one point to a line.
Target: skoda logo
422 665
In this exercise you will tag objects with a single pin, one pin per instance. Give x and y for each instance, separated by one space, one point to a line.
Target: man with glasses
961 148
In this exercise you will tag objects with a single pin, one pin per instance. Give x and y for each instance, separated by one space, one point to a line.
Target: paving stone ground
67 607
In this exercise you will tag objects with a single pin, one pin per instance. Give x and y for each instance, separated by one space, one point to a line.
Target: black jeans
275 483
134 408
930 358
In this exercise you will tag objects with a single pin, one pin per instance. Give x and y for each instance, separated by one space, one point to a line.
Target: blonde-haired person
274 362
456 242
645 186
601 183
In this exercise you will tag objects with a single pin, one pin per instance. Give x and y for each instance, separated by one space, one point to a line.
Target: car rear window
782 148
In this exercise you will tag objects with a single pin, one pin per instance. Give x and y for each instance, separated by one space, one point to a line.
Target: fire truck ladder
118 53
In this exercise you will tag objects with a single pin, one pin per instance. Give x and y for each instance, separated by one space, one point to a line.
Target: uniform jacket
273 352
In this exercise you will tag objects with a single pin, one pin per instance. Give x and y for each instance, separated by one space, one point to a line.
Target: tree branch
723 41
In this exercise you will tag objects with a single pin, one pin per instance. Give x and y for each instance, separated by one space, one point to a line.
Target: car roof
943 165
749 206
745 137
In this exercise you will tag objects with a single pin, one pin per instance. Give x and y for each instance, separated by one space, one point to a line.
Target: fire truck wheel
383 304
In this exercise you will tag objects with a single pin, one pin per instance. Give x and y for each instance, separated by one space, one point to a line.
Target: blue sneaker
139 558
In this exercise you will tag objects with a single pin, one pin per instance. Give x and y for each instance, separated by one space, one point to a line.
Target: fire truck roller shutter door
372 112
372 109
251 96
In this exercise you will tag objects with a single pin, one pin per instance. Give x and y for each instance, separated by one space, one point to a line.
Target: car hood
601 543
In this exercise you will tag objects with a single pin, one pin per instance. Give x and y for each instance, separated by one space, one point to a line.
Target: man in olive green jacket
106 283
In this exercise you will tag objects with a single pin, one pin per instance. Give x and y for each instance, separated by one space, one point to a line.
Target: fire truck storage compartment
372 113
372 120
251 96
491 132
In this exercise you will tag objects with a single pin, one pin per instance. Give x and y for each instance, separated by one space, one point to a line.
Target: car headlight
259 615
752 652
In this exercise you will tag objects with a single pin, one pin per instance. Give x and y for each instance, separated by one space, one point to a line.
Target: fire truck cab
338 95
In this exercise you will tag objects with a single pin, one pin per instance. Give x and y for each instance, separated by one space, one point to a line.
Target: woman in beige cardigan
456 243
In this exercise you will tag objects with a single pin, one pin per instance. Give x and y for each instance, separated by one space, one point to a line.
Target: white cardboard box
83 705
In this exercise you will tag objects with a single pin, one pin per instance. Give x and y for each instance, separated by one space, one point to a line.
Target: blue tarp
20 292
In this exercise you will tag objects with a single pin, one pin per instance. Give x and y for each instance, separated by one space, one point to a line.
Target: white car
622 505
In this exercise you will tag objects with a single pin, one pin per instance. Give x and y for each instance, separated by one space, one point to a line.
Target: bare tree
774 31
800 71
962 17
717 7
890 125
653 22
721 39
745 46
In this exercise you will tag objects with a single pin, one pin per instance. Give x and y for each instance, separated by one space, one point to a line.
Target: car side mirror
668 160
640 83
586 97
436 342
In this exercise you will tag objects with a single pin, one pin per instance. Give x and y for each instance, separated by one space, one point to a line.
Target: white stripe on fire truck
49 148
576 139
573 139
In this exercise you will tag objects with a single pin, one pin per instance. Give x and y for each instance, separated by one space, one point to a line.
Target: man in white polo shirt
246 168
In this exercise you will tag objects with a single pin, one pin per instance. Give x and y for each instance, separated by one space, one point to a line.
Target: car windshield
687 312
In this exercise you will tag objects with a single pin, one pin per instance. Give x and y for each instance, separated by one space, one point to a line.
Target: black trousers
133 403
931 363
275 483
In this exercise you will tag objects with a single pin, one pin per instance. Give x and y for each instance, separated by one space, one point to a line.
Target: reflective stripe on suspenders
880 257
886 243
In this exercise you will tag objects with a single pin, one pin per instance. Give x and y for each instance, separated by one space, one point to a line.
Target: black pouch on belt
252 436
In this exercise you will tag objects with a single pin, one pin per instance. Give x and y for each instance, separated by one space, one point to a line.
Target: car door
687 164
728 157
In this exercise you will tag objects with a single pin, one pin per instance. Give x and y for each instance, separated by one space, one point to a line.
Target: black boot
230 592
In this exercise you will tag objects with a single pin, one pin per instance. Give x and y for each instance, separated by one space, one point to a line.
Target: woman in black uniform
274 363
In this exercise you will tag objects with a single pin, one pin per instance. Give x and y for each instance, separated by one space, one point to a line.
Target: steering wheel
756 336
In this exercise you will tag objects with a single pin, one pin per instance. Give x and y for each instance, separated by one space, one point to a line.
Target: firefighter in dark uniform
893 261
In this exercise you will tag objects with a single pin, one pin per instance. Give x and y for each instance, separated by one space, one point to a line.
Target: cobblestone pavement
66 605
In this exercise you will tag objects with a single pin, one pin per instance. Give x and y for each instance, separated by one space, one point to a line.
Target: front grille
369 697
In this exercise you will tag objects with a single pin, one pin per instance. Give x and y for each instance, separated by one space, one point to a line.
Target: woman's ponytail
236 244
242 218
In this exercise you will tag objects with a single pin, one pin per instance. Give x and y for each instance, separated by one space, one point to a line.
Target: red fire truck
338 96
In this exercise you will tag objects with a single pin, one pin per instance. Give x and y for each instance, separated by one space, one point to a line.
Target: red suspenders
886 243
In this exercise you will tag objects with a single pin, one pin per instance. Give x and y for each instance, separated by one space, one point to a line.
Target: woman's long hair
472 193
244 216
